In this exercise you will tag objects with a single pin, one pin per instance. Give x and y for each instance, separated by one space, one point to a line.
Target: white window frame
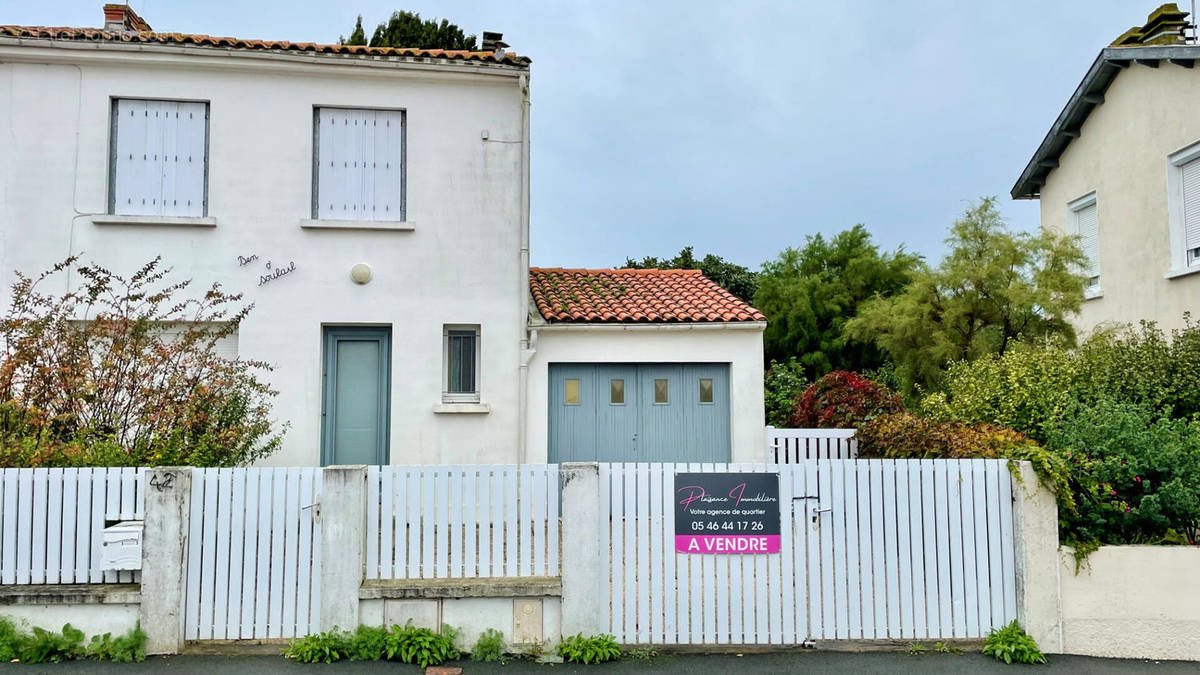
461 397
1175 211
357 221
114 214
1074 207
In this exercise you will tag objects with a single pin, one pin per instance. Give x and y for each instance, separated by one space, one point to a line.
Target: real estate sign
727 513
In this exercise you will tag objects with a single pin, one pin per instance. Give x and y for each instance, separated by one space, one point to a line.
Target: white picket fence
462 521
788 446
51 522
894 549
254 554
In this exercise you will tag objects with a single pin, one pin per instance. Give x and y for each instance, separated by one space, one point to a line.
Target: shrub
11 640
128 648
324 647
783 383
408 644
421 646
45 646
124 371
368 643
843 400
1134 472
595 649
1012 644
489 647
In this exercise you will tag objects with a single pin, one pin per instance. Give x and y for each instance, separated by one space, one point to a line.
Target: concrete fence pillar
584 574
343 515
1035 534
164 557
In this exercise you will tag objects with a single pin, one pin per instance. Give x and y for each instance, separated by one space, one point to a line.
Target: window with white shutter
1190 178
1084 221
158 160
358 164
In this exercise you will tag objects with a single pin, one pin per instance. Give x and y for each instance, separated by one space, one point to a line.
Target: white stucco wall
1147 114
92 619
461 263
739 345
1138 602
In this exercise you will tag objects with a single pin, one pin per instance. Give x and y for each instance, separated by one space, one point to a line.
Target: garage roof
634 296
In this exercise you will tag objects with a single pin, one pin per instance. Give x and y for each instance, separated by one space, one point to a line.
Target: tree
808 295
992 287
408 29
734 278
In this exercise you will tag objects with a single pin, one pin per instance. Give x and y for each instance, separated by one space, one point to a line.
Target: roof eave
1088 95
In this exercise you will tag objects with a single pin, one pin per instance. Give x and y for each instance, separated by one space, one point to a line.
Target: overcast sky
740 127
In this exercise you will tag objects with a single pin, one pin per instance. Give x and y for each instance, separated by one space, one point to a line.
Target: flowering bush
125 371
842 400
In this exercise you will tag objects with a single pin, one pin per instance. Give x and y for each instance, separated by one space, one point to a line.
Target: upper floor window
1083 220
358 164
1183 197
158 158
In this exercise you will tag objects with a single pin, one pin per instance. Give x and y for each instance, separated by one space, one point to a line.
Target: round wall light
360 273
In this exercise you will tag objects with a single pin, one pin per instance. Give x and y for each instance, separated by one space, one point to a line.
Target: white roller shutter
360 156
1190 174
1088 225
226 347
159 158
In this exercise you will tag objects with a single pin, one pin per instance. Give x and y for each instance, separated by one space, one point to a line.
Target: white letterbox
121 546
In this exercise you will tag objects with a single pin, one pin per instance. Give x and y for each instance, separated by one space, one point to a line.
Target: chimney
122 19
493 42
1166 25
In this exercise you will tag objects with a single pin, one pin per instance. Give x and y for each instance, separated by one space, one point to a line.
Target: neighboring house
373 203
1120 167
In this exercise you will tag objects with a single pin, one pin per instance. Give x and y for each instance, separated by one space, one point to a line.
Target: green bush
127 648
783 383
407 644
595 649
1012 644
324 647
10 641
421 646
45 646
489 647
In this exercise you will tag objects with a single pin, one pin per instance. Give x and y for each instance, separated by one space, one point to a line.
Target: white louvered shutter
160 158
1190 174
1089 239
360 164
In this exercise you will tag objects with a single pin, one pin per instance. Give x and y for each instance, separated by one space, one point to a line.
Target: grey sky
739 128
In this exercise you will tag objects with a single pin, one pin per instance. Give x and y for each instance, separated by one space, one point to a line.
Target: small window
461 346
616 392
706 390
571 391
158 158
660 392
358 164
1183 208
1085 223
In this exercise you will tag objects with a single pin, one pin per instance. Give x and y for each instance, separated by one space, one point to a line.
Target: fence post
584 564
1035 535
164 557
343 514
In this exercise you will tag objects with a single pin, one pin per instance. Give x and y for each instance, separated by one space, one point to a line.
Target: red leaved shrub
843 400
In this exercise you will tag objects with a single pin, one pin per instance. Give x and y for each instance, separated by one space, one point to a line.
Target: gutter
527 345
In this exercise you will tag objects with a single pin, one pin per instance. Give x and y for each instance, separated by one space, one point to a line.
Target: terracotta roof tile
634 296
191 39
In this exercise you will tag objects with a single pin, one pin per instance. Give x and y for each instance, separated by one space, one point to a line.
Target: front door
357 386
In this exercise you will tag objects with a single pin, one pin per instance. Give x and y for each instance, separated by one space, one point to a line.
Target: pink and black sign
730 513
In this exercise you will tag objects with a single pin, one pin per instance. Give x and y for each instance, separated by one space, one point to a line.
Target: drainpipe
525 351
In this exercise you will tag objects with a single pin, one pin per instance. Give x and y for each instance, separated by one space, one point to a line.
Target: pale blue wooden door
639 413
356 395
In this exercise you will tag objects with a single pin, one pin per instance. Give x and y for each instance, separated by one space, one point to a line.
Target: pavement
807 662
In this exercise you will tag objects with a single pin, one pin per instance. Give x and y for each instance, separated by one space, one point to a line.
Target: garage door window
660 392
616 392
706 390
571 391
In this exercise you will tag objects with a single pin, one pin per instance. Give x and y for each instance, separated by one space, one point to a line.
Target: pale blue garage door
603 412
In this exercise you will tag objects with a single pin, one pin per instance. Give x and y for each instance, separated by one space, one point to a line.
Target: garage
639 412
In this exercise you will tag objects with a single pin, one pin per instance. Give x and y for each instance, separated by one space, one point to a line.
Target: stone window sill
1175 274
462 408
168 221
1093 294
386 225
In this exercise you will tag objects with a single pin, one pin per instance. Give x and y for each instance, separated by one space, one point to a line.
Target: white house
374 204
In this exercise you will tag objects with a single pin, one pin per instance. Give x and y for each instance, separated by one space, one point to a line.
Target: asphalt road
808 662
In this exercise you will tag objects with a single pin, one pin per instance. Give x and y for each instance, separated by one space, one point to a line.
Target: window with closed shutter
158 158
1190 175
359 164
1086 224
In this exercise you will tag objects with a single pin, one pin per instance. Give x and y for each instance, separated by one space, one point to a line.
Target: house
1120 167
373 204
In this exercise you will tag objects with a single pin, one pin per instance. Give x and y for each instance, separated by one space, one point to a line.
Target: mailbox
121 546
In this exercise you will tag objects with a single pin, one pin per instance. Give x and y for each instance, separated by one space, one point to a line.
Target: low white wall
1132 602
471 617
739 345
92 619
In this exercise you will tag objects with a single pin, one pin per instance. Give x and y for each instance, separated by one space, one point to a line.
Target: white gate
254 554
788 446
872 549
